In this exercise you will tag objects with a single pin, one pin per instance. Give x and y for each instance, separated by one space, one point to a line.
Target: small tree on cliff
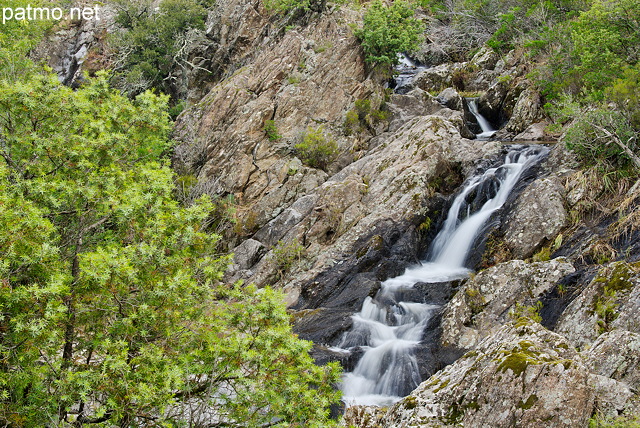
388 31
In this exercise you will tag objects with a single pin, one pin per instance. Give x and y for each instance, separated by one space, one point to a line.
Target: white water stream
487 129
388 329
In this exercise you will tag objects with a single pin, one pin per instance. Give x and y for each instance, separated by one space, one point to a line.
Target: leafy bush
600 135
606 38
18 38
388 31
351 122
286 254
316 150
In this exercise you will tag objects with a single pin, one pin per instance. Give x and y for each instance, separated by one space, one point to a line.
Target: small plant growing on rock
351 123
316 150
531 312
271 130
285 255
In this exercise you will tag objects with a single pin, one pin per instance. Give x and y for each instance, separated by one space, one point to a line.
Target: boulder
538 217
524 375
616 354
498 102
613 398
611 300
408 106
247 254
451 99
534 132
439 77
488 300
527 110
486 58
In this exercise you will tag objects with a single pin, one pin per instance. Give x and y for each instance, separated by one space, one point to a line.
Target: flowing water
388 329
406 70
487 129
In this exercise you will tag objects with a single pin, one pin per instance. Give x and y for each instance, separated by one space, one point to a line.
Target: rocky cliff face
546 335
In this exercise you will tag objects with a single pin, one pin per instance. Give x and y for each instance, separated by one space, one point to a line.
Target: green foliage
531 312
364 116
388 31
316 150
351 122
625 93
154 42
111 305
271 130
286 5
18 38
600 135
606 38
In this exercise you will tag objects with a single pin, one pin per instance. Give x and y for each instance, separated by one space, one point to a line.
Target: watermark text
30 13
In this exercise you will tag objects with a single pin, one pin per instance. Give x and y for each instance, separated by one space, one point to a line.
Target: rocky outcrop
535 132
439 77
523 375
452 99
611 300
539 215
616 355
494 296
527 110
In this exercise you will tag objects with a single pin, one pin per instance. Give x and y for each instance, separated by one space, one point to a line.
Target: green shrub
351 122
271 130
388 31
602 136
285 6
316 150
605 40
363 107
285 255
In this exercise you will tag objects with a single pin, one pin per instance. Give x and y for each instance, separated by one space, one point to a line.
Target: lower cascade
388 329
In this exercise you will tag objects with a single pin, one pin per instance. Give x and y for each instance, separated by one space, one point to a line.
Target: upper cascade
487 129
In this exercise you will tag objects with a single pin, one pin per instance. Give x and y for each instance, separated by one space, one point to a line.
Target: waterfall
487 129
406 71
388 329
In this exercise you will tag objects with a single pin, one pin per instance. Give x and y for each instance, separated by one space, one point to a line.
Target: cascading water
406 70
487 129
388 329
